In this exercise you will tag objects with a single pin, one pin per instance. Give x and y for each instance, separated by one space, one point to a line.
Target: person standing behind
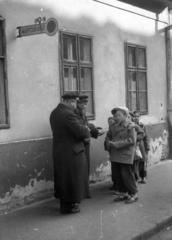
122 141
144 147
95 132
71 183
111 121
138 154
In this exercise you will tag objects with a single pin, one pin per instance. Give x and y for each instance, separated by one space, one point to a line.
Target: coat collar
61 105
122 125
79 112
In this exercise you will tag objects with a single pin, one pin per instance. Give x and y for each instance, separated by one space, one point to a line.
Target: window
136 78
4 120
77 67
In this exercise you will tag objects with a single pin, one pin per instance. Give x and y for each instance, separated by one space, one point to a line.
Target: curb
156 229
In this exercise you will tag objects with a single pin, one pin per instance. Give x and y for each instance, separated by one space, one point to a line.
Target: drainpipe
169 84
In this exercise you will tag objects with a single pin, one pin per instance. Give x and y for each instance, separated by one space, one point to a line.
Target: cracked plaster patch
33 190
157 147
102 172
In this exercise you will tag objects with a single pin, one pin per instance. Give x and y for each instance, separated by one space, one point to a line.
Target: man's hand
101 132
111 144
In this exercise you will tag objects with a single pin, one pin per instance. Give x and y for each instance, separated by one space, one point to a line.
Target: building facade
110 50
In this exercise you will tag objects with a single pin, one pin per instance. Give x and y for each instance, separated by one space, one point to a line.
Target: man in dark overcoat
71 183
94 131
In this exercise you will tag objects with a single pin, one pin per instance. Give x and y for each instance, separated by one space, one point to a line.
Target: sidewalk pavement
100 217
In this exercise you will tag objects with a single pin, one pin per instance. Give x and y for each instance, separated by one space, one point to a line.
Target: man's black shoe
112 187
73 209
68 211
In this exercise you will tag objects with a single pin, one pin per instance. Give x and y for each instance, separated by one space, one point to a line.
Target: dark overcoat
146 139
70 165
93 132
124 140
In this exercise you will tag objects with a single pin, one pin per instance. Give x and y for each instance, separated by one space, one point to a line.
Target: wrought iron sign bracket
50 27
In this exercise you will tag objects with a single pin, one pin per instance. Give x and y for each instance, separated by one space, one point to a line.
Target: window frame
137 70
79 64
5 78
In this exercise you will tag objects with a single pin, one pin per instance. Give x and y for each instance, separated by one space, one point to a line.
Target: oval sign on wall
51 26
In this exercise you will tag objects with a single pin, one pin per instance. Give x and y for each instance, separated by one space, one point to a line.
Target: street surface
100 218
165 234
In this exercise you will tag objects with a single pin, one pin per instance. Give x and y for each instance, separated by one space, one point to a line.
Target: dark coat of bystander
70 165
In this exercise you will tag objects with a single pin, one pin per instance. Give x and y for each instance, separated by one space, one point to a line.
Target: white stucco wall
33 61
34 83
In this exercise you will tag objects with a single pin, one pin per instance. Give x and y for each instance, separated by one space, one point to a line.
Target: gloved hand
101 132
111 144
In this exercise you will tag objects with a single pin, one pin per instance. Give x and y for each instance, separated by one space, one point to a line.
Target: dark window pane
89 109
85 49
3 119
70 79
131 81
66 79
131 56
141 58
143 101
86 79
132 102
69 48
66 72
142 80
1 39
74 78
